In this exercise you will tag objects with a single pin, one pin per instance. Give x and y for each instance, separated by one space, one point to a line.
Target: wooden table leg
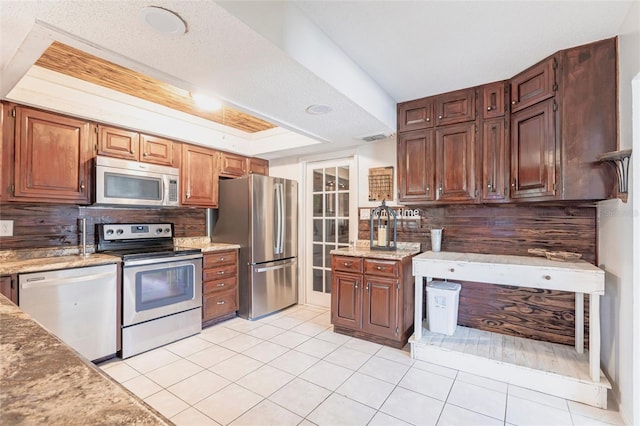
579 332
417 320
594 336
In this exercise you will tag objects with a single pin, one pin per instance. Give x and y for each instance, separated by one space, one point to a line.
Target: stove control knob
109 231
158 231
167 230
119 232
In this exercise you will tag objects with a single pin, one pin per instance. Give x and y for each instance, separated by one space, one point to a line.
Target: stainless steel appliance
161 284
260 213
78 305
134 183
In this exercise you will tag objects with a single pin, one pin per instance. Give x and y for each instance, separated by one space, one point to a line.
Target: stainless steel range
161 284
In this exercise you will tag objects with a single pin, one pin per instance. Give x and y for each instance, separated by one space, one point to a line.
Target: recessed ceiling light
318 109
163 21
205 102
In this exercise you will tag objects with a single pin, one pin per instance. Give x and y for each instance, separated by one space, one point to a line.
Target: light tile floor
290 368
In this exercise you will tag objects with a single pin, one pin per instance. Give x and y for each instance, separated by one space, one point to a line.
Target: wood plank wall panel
51 225
510 230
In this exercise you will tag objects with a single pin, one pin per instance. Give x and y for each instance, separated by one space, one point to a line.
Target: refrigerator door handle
274 268
279 216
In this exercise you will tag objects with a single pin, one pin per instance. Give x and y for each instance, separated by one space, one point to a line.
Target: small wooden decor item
381 183
560 256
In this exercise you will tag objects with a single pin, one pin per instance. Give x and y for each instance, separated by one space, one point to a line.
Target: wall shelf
620 161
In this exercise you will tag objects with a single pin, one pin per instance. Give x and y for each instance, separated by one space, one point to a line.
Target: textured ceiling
274 59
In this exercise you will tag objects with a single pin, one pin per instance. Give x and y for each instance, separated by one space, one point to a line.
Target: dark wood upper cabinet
258 166
232 165
156 150
415 115
120 143
52 155
456 163
455 107
493 100
534 84
533 152
131 145
416 165
495 160
199 176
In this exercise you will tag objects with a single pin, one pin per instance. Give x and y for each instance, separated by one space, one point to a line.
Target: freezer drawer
274 286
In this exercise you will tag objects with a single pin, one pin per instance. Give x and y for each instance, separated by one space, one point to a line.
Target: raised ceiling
272 59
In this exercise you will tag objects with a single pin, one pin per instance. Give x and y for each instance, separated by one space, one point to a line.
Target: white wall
616 247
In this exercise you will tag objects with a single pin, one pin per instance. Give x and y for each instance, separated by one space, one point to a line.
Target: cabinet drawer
229 283
212 260
382 268
219 273
346 264
218 304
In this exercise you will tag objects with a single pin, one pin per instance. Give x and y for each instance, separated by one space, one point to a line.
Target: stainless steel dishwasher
78 305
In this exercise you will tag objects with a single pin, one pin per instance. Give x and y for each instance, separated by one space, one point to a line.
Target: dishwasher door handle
40 282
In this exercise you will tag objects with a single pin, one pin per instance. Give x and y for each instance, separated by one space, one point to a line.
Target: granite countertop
23 261
362 248
204 244
43 381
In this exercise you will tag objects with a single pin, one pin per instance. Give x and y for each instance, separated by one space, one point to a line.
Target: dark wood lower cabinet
9 287
372 299
219 286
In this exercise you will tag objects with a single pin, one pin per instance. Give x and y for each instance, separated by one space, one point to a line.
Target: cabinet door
533 149
156 150
456 163
456 107
199 177
232 165
258 166
219 303
119 143
415 115
380 313
9 287
416 171
493 96
494 183
346 294
533 85
52 155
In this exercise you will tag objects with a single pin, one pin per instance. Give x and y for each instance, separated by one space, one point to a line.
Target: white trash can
442 306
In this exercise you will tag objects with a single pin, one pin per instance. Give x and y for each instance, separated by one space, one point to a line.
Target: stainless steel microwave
136 184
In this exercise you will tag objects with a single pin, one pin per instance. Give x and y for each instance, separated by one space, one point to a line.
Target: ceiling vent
376 137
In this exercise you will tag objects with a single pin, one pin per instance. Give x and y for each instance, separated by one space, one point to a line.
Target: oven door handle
153 260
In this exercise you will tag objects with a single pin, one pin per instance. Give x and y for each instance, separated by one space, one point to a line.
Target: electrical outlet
6 228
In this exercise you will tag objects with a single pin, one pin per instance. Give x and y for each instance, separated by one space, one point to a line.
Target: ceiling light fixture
205 102
318 109
163 21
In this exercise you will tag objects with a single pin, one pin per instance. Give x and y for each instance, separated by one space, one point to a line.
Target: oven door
154 288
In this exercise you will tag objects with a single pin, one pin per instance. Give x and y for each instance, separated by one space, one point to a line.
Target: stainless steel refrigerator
260 213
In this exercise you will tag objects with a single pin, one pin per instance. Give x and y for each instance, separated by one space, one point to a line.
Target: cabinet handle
439 117
513 102
452 270
379 268
144 154
81 185
133 151
220 302
547 277
428 119
221 259
188 194
428 188
356 285
489 184
489 108
220 285
440 189
347 264
368 287
513 185
221 272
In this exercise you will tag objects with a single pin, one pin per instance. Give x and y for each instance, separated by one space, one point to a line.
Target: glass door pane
330 223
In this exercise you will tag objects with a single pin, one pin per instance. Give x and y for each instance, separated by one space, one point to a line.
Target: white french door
330 223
